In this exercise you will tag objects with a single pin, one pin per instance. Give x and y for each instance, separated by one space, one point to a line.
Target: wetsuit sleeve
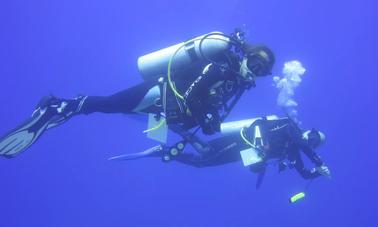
301 145
199 102
296 159
310 153
210 75
199 91
295 134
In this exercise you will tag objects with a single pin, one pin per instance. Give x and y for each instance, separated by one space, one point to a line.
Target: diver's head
314 138
258 61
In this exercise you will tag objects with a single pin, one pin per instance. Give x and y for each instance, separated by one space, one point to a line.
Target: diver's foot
50 112
59 110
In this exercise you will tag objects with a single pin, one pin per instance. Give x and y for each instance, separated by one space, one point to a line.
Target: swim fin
260 178
260 169
50 112
156 151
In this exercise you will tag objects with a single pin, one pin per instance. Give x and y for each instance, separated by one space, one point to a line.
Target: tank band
190 49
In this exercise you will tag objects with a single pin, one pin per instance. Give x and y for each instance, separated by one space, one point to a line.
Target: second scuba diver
255 142
195 83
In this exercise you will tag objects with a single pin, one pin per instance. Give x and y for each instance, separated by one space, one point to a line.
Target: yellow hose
170 82
161 123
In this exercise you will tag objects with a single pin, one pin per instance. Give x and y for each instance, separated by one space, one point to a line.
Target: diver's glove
210 122
324 171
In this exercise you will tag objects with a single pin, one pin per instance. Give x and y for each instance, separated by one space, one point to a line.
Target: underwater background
91 47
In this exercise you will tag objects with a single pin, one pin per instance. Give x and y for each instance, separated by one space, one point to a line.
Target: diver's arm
198 100
211 74
301 169
198 97
310 153
299 144
304 172
320 168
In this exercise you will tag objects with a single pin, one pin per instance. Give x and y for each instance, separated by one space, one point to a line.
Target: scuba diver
257 142
192 84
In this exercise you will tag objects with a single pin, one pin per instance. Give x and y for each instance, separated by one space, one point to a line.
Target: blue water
91 47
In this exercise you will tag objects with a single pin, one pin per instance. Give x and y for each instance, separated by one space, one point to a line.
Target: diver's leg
219 151
52 111
140 98
199 145
207 160
191 159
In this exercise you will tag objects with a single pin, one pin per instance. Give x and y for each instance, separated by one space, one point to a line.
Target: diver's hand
324 171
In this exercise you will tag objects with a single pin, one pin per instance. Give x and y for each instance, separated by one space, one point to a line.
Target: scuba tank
182 60
154 65
234 127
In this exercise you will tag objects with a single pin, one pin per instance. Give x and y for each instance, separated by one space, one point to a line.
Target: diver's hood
314 137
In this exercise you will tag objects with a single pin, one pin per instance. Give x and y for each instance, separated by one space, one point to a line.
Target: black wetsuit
206 90
208 96
122 102
283 141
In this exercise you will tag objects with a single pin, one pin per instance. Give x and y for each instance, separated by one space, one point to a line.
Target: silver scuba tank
234 127
154 65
